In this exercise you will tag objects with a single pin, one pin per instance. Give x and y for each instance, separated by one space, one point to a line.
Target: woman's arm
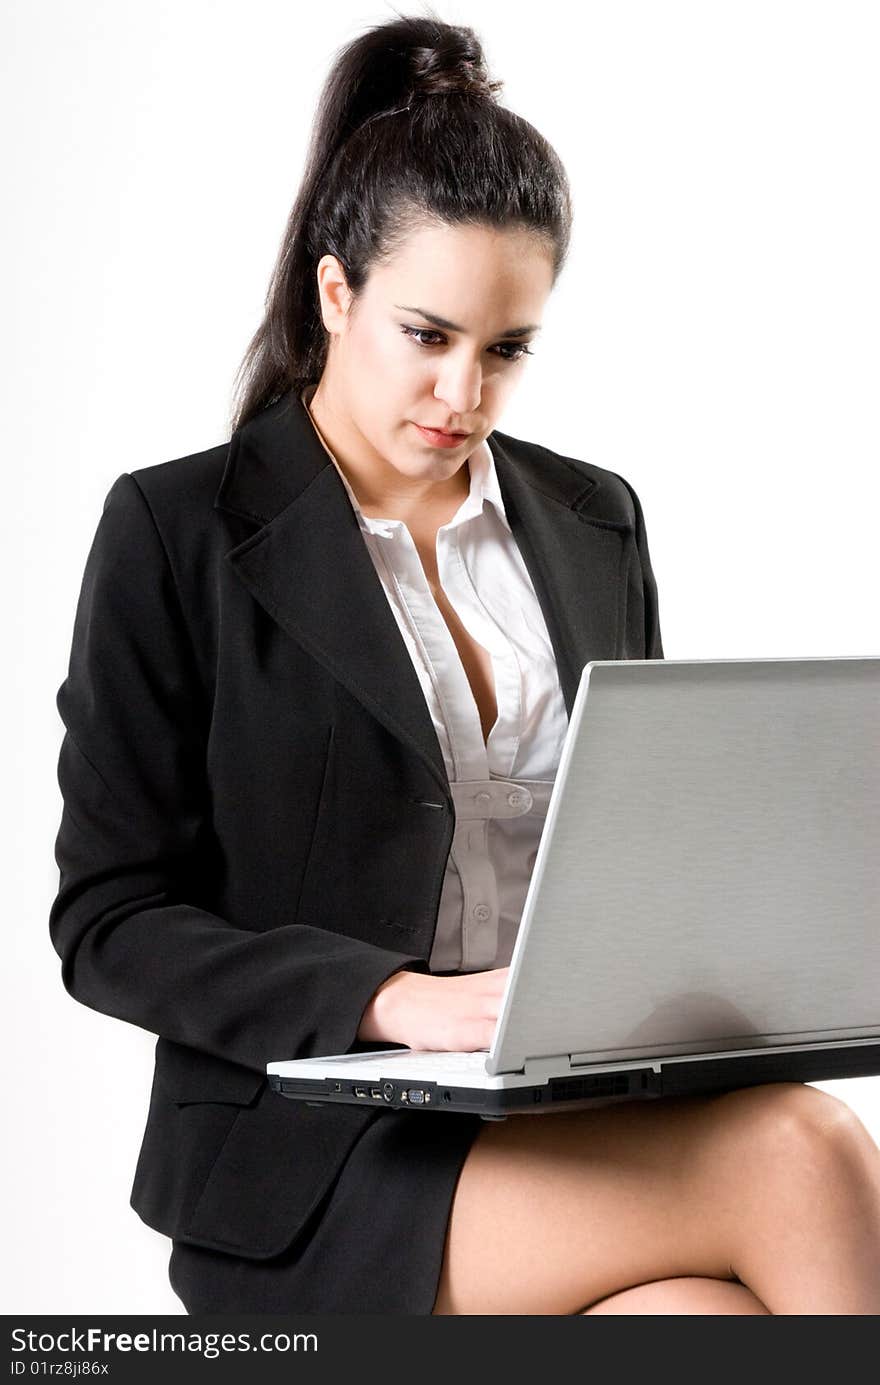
131 769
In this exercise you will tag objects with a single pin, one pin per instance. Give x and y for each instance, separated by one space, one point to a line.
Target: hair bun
455 65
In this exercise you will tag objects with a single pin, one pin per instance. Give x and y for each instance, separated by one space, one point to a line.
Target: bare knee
794 1115
793 1136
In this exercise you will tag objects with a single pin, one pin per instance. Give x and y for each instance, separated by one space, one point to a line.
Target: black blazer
257 816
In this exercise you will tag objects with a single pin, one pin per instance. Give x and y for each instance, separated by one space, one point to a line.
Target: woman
293 657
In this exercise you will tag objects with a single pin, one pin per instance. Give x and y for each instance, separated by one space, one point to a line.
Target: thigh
554 1212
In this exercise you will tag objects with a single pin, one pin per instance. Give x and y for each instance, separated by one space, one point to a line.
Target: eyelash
519 347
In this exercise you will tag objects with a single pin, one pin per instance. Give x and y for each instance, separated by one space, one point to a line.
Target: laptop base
665 1077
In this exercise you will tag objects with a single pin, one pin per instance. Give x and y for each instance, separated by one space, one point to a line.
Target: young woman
319 683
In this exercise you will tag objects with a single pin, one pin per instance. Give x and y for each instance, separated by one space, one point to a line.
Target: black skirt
374 1245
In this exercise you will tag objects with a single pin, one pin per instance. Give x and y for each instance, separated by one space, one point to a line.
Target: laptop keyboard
426 1061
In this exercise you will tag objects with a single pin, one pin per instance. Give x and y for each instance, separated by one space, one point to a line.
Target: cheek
497 385
504 382
386 384
386 362
404 374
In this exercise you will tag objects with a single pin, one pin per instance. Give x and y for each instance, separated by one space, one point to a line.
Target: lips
436 437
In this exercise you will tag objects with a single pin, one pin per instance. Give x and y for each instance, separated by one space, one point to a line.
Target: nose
460 386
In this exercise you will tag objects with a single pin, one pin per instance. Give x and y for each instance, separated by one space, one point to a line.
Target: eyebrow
452 327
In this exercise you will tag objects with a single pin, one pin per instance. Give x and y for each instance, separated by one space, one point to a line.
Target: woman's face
438 337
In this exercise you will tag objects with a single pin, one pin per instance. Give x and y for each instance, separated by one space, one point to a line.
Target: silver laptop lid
708 877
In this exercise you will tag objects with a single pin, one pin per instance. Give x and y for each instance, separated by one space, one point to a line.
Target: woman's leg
776 1186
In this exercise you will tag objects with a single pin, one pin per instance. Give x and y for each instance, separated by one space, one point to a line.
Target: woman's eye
418 332
516 348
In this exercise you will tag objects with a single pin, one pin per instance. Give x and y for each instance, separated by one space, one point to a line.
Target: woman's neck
381 491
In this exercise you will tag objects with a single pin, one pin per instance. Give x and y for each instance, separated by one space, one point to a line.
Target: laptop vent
605 1084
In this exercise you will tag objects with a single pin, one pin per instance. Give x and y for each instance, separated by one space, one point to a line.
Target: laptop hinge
545 1067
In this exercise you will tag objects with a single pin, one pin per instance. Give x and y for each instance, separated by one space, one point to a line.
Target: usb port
360 1091
376 1093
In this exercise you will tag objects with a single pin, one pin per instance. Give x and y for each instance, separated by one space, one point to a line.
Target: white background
714 338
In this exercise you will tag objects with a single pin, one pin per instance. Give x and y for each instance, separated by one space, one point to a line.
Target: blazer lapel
309 568
562 519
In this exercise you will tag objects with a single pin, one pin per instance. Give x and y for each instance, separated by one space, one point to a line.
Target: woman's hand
452 1014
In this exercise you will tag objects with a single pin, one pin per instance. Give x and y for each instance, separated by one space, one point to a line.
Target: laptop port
376 1093
360 1091
416 1096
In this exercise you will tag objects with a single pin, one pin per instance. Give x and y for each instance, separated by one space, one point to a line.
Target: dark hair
407 130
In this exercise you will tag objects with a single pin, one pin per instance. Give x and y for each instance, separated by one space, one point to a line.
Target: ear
334 295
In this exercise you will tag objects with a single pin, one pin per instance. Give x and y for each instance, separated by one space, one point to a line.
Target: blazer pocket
278 1161
188 1075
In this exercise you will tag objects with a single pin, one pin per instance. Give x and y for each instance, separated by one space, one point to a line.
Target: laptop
704 908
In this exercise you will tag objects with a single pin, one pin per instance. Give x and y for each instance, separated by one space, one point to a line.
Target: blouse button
482 911
483 799
520 798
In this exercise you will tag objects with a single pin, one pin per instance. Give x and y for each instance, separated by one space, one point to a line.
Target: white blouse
500 788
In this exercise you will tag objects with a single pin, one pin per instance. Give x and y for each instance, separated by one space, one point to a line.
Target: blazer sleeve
131 770
653 642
